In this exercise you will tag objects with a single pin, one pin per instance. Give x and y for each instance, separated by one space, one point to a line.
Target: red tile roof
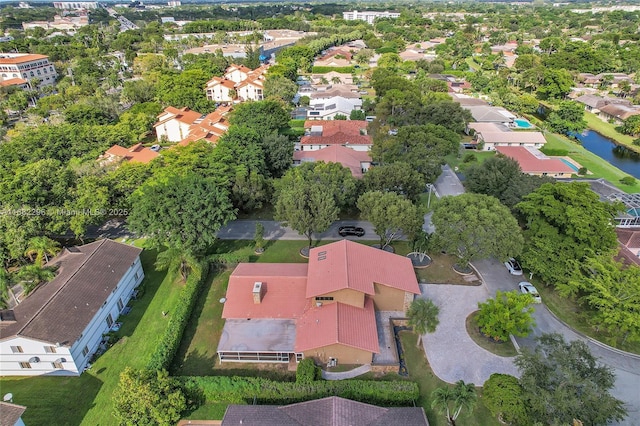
331 127
283 291
337 139
22 59
210 128
13 82
184 115
338 323
346 264
136 154
223 81
337 154
240 68
529 163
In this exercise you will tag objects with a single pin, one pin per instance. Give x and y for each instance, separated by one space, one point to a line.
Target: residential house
334 57
593 102
534 162
467 101
334 100
58 327
11 414
330 411
325 310
490 114
210 128
332 77
590 80
493 135
27 67
18 82
173 123
356 161
239 83
618 113
136 154
349 133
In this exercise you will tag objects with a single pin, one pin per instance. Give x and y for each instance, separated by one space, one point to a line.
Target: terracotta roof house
210 128
321 134
28 67
534 162
19 82
356 161
11 414
246 83
330 411
329 59
173 123
136 154
325 310
58 327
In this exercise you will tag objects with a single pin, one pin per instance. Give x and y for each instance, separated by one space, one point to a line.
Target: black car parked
350 230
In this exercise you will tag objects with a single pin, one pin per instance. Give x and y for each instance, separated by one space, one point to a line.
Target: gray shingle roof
10 413
331 411
58 311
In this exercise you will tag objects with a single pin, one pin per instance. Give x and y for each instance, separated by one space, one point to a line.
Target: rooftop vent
257 292
322 255
7 316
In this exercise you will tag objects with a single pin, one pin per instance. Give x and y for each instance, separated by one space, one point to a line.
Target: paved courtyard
450 351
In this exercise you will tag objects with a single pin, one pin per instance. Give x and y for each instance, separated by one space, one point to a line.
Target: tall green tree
613 291
452 401
398 177
264 117
146 397
184 212
501 177
281 88
565 223
31 276
508 313
568 117
42 247
503 396
563 381
306 206
476 226
392 215
423 317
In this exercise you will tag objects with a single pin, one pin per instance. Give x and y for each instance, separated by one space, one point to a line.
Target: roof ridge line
60 289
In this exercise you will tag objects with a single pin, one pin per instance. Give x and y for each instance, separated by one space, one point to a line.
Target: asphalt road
245 229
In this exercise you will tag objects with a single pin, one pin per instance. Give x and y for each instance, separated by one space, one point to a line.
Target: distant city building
75 5
24 5
174 3
368 16
28 67
59 23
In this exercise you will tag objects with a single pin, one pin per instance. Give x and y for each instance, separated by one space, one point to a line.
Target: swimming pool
522 123
570 164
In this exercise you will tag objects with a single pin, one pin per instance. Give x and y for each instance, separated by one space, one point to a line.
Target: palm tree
423 317
41 247
175 259
32 276
336 80
462 395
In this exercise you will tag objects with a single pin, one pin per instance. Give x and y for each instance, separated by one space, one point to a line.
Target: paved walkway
358 371
388 351
451 353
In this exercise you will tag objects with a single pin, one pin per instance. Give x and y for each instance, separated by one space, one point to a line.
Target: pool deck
574 162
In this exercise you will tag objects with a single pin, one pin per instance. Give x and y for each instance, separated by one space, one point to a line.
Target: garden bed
440 271
504 349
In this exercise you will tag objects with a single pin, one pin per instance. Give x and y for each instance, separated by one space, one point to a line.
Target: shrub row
238 390
324 70
169 342
555 152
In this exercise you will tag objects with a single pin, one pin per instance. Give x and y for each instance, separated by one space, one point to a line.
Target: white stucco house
59 326
239 83
173 123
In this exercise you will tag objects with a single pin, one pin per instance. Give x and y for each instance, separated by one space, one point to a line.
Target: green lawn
609 130
420 372
87 399
441 271
596 165
455 160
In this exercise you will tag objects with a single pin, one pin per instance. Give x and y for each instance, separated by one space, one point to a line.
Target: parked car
528 288
350 230
155 148
513 266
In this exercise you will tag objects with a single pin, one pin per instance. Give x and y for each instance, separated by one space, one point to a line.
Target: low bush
168 345
231 259
628 180
307 371
555 152
240 390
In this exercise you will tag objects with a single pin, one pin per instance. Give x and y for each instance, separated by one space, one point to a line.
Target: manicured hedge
238 390
307 371
555 152
324 70
170 340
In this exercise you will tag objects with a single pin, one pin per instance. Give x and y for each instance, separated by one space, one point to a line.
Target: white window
109 320
120 305
25 365
57 365
50 349
85 351
16 349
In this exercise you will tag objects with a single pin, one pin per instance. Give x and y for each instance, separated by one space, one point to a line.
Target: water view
619 156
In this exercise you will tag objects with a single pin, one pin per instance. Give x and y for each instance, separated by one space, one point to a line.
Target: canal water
619 156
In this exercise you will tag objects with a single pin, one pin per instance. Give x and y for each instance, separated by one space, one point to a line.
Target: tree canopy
391 214
508 313
563 381
476 226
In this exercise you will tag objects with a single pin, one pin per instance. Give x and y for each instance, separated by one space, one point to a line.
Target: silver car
513 266
528 288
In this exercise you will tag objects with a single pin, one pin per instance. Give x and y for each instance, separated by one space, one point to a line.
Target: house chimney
257 292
